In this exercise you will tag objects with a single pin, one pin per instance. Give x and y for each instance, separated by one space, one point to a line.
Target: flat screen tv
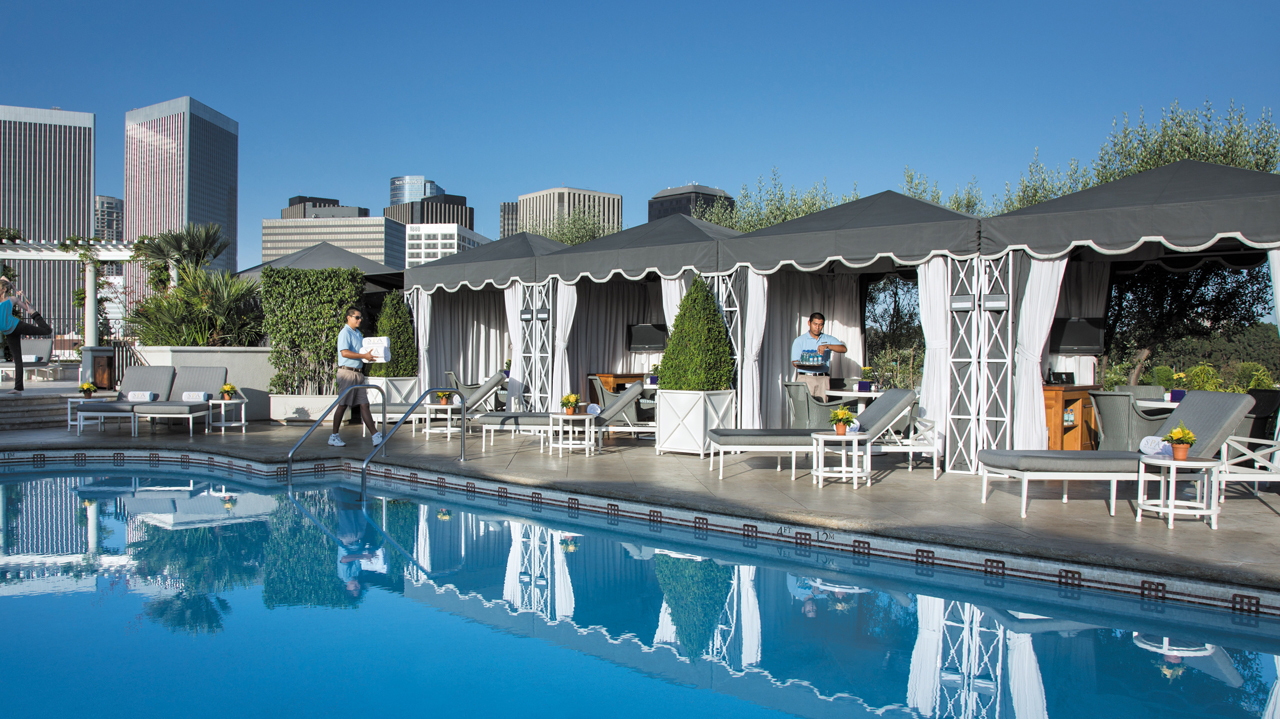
1077 335
647 338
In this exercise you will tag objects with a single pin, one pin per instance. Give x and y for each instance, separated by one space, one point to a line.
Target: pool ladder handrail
364 469
381 391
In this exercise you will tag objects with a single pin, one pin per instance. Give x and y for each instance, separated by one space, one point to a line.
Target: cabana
466 306
1059 257
377 276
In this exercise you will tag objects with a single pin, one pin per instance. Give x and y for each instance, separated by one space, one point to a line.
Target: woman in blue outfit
14 328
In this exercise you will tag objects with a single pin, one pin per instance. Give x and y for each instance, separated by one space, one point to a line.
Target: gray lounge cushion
762 437
198 379
483 391
1056 460
514 420
1211 417
170 408
881 413
107 407
157 379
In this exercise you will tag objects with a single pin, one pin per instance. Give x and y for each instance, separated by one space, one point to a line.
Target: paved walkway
1244 550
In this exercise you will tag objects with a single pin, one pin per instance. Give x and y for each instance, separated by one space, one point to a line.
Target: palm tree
195 244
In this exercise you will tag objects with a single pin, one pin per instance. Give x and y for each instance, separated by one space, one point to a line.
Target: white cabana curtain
511 577
672 293
1035 317
1026 686
749 615
1084 294
752 338
468 335
793 296
598 340
513 301
926 656
566 306
1273 260
564 597
420 300
934 278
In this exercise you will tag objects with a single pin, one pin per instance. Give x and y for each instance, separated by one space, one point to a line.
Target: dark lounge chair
206 380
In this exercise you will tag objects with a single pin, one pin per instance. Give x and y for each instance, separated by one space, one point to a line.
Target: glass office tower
411 188
46 173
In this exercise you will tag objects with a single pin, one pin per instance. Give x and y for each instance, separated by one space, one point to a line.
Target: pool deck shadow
900 504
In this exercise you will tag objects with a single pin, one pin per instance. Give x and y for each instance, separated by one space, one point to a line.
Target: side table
575 421
1201 472
845 445
74 401
222 422
447 410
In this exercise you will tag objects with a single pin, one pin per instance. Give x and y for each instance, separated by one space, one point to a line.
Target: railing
325 415
364 469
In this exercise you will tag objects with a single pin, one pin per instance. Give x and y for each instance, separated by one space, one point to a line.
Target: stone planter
248 368
685 417
300 407
400 390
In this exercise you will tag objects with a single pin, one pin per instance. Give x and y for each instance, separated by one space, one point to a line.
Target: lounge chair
208 380
157 380
806 411
540 422
473 398
1211 416
876 421
1121 425
37 352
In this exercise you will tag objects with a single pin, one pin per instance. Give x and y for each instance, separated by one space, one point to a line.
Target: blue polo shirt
807 341
351 340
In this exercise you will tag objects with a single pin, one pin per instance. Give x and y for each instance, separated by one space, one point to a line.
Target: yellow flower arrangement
444 515
228 388
569 400
1180 435
842 415
88 387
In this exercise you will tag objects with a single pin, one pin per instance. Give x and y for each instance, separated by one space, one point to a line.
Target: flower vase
226 396
569 409
1180 451
87 394
444 400
841 429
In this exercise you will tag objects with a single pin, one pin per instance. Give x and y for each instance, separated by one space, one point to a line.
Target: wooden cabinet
1068 410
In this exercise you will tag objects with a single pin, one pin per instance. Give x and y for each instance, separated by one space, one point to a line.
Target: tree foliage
581 225
299 559
205 309
699 357
303 313
192 245
768 206
695 592
396 323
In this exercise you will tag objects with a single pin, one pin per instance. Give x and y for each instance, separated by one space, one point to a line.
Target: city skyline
849 95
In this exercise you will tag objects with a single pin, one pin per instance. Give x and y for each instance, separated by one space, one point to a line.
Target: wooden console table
610 383
1058 401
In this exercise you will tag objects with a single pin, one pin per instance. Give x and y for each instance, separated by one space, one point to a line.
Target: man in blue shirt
350 373
818 379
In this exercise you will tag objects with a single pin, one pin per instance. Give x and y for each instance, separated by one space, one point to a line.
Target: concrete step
7 425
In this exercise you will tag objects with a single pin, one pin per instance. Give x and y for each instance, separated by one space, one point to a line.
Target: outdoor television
1077 335
647 338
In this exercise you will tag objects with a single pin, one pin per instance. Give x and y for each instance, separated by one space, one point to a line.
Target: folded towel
32 359
141 396
1155 445
195 396
593 408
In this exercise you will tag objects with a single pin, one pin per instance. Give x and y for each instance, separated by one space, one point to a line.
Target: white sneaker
336 441
377 438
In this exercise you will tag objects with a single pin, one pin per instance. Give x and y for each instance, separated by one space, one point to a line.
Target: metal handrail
364 469
289 464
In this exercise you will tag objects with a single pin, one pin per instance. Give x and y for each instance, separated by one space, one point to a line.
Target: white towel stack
195 396
1155 445
379 346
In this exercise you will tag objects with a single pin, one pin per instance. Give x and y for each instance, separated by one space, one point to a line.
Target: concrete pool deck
903 505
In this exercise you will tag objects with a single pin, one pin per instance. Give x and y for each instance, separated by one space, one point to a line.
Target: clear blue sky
493 100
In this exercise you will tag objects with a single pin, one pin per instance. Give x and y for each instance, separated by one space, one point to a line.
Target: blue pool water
174 596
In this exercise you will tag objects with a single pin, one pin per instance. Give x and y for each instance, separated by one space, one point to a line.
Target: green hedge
695 592
699 357
304 312
395 322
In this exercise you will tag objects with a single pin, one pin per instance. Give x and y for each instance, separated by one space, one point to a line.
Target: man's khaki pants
818 385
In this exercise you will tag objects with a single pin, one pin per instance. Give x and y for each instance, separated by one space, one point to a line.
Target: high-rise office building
301 207
434 210
46 173
380 239
427 242
509 222
542 209
683 200
181 165
108 218
411 188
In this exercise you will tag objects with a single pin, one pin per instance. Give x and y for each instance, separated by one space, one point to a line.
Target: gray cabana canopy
668 246
324 256
494 263
1186 206
858 233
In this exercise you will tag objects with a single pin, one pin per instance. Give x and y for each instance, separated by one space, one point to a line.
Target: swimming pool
213 597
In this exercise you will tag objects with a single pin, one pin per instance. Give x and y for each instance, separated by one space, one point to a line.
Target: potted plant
87 389
568 545
864 384
443 397
569 403
228 391
842 419
695 380
506 369
444 515
1181 439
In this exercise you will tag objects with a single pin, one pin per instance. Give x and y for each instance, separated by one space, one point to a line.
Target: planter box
400 390
299 407
248 368
685 417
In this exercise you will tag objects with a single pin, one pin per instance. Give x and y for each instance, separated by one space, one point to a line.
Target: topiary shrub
699 357
303 313
396 323
695 592
1204 377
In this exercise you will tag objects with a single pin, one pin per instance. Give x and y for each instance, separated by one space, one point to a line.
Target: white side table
445 410
562 440
75 401
1200 471
844 445
222 422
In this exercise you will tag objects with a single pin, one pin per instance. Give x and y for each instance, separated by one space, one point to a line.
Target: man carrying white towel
350 373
